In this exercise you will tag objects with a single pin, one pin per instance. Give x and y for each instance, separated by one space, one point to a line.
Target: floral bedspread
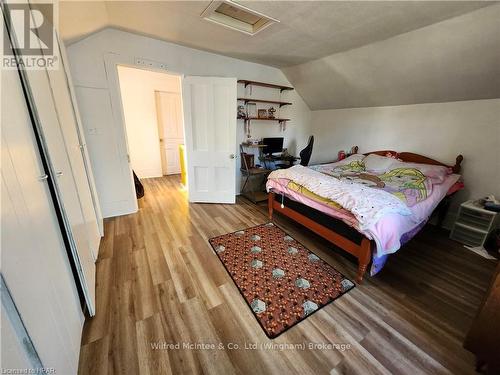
410 185
367 204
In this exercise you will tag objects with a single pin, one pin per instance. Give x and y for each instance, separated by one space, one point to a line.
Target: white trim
111 62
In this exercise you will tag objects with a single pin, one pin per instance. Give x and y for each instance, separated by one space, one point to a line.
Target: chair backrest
305 154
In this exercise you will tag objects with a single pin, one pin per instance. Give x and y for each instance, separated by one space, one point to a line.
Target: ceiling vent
237 17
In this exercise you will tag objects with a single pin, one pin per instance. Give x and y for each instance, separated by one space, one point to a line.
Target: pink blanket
390 231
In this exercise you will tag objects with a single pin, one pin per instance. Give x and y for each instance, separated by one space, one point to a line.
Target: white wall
91 73
138 88
440 131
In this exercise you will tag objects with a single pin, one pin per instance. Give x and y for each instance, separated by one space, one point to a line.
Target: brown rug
281 280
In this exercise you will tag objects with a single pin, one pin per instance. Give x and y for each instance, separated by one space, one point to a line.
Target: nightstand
473 224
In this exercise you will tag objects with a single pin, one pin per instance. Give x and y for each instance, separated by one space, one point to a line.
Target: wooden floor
158 281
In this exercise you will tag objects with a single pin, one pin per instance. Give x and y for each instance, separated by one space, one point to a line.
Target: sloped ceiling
307 30
457 59
337 54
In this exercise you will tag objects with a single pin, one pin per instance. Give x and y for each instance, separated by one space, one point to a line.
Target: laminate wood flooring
159 283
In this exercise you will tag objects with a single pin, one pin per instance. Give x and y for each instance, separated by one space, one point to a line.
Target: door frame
111 63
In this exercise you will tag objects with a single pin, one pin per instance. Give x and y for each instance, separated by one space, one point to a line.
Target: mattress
389 233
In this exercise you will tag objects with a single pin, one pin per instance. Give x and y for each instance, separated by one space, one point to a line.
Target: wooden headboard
411 157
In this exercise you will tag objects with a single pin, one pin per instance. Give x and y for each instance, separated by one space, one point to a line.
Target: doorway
209 127
152 108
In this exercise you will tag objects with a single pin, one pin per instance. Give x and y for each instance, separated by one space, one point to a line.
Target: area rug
281 280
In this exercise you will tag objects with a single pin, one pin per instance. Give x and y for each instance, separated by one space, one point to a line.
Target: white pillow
435 172
347 160
351 158
377 163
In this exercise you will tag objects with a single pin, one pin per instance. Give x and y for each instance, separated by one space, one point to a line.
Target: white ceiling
308 30
456 59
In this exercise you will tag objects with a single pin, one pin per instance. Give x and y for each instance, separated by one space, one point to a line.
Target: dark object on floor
280 279
483 338
305 154
139 189
492 243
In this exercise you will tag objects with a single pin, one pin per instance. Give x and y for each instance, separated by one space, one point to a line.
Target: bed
369 204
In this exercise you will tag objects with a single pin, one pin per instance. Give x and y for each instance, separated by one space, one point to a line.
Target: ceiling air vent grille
237 17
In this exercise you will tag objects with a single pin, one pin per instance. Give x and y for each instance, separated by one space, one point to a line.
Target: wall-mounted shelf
263 84
250 100
265 119
251 145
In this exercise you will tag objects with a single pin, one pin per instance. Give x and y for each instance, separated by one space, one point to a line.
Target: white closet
49 220
35 264
52 107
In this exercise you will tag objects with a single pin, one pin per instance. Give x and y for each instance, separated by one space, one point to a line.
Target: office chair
305 154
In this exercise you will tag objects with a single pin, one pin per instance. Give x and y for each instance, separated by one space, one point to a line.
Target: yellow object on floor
182 153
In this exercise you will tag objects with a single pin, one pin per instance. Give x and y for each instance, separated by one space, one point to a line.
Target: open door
210 135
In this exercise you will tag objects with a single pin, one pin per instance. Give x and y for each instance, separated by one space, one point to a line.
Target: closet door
35 263
60 151
75 149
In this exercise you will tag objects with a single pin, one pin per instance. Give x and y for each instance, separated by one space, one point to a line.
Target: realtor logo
31 26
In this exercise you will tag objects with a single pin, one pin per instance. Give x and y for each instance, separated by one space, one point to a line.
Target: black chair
305 154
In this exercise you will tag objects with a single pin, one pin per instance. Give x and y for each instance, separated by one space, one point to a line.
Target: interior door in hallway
170 130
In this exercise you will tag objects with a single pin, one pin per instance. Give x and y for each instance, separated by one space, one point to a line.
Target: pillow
377 163
349 159
437 173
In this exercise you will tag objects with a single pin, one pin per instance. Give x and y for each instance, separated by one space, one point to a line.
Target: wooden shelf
253 146
263 84
249 100
265 119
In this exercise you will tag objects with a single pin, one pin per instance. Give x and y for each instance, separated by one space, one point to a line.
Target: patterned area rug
281 280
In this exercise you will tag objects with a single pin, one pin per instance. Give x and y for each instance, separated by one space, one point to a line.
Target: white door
81 136
170 130
75 146
59 151
210 132
35 263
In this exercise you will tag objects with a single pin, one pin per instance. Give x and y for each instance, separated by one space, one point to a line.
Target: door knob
59 174
231 156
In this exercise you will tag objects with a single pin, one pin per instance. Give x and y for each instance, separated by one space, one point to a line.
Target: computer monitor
272 145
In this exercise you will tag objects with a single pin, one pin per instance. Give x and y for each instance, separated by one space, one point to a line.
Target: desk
288 159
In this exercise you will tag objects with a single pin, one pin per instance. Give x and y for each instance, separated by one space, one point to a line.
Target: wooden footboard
362 251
